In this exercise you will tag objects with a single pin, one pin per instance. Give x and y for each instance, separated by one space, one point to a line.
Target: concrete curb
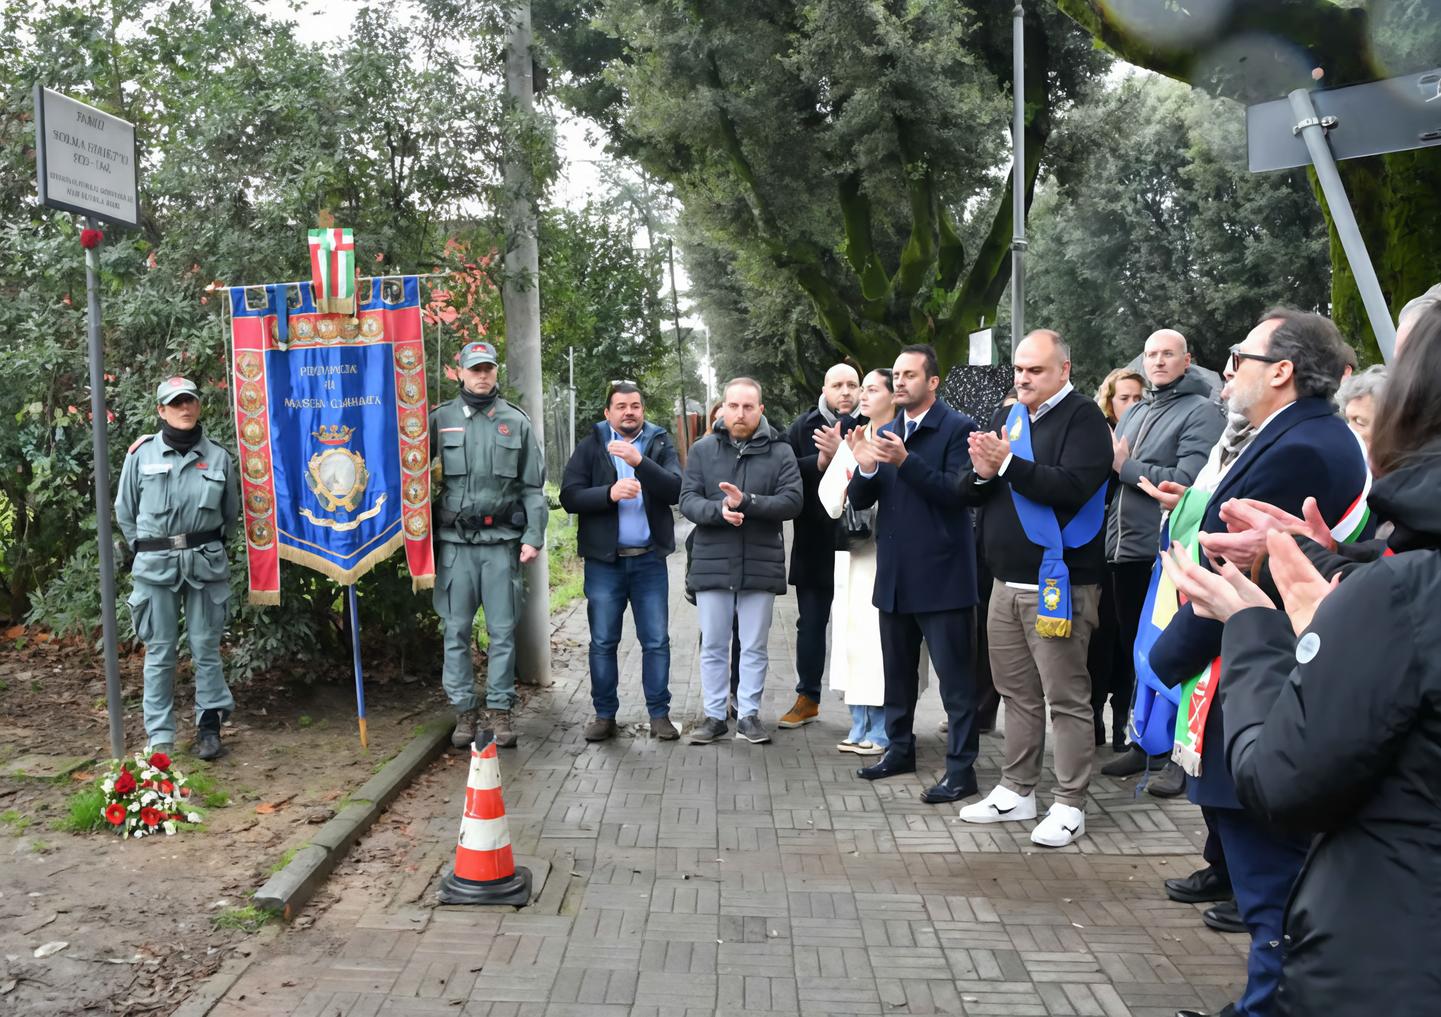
287 890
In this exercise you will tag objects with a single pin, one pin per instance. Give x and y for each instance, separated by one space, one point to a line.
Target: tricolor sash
1053 604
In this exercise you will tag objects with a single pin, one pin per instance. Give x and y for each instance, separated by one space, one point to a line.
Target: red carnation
125 783
185 792
115 813
166 786
91 238
150 817
160 761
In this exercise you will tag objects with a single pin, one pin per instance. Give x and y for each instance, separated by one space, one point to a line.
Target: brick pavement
744 880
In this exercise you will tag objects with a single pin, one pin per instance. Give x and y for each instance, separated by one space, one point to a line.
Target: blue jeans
868 724
642 582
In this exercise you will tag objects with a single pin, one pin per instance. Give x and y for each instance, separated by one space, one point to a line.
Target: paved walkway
749 880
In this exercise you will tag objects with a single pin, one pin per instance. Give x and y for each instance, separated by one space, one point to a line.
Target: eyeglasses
1237 356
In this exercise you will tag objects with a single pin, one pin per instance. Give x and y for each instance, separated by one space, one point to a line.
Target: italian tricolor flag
332 263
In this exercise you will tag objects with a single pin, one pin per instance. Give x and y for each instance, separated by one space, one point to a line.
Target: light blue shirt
634 526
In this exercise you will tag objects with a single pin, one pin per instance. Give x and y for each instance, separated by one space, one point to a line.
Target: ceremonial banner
332 423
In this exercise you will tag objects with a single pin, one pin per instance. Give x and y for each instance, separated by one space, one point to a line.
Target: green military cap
172 389
472 354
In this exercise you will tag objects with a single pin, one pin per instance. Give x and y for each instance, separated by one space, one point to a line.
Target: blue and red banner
331 420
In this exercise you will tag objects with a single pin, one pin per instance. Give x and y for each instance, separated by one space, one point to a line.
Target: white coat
857 669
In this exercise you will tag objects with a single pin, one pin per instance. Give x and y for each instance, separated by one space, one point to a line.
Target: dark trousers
1212 850
1110 657
988 700
1264 864
947 636
813 614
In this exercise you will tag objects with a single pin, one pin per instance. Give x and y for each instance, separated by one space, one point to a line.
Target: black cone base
515 890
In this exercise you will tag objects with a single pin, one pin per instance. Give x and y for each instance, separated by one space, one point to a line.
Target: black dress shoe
1225 917
891 764
951 789
1229 1010
1201 887
1169 783
1134 761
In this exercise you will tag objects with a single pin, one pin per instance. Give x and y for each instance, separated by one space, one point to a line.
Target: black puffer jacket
1339 734
751 556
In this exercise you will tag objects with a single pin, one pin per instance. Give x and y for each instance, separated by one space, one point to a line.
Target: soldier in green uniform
177 502
491 519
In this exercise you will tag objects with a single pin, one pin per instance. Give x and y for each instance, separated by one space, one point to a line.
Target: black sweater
1073 454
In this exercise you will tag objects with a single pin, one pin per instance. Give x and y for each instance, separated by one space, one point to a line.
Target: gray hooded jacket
1171 434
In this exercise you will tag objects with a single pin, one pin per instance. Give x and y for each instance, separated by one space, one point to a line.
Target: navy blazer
1306 451
925 548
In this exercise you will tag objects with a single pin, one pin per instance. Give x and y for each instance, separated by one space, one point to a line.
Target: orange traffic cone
485 871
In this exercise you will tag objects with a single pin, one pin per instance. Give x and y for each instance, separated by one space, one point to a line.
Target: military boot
505 736
464 732
207 735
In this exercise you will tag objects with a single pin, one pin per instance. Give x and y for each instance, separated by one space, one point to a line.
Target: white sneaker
1002 805
1063 824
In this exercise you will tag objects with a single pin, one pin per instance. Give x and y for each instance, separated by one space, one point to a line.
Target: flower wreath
146 795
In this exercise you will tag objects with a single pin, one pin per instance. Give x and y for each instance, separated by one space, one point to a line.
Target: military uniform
491 500
175 510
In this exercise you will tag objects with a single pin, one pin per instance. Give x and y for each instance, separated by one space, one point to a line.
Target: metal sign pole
1018 179
103 502
1313 131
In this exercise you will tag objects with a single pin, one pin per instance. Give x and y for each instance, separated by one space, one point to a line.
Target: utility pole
570 439
684 418
1018 176
521 297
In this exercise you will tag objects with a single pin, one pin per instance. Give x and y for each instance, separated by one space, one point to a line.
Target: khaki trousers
1031 671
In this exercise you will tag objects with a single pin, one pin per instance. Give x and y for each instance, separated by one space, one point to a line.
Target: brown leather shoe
663 729
600 729
505 736
804 712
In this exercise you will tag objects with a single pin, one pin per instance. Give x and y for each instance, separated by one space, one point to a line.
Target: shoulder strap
141 441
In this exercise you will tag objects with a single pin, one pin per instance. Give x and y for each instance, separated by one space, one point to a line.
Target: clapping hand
861 449
1120 452
1302 588
988 452
887 447
827 440
1250 514
625 488
625 451
1168 494
734 495
1212 595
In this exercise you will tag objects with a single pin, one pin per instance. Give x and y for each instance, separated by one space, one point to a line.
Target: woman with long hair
856 668
1333 722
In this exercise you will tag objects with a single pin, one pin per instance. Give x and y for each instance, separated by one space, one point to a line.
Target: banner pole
359 671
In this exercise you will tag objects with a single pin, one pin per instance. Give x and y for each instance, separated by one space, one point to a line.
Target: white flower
192 817
138 833
134 806
169 828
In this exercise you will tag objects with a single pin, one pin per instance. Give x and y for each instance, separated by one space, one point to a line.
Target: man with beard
1282 378
620 485
741 483
925 568
814 437
177 502
491 516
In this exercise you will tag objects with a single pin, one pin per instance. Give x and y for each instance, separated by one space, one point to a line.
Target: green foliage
247 919
855 149
245 133
1259 51
1158 224
84 810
